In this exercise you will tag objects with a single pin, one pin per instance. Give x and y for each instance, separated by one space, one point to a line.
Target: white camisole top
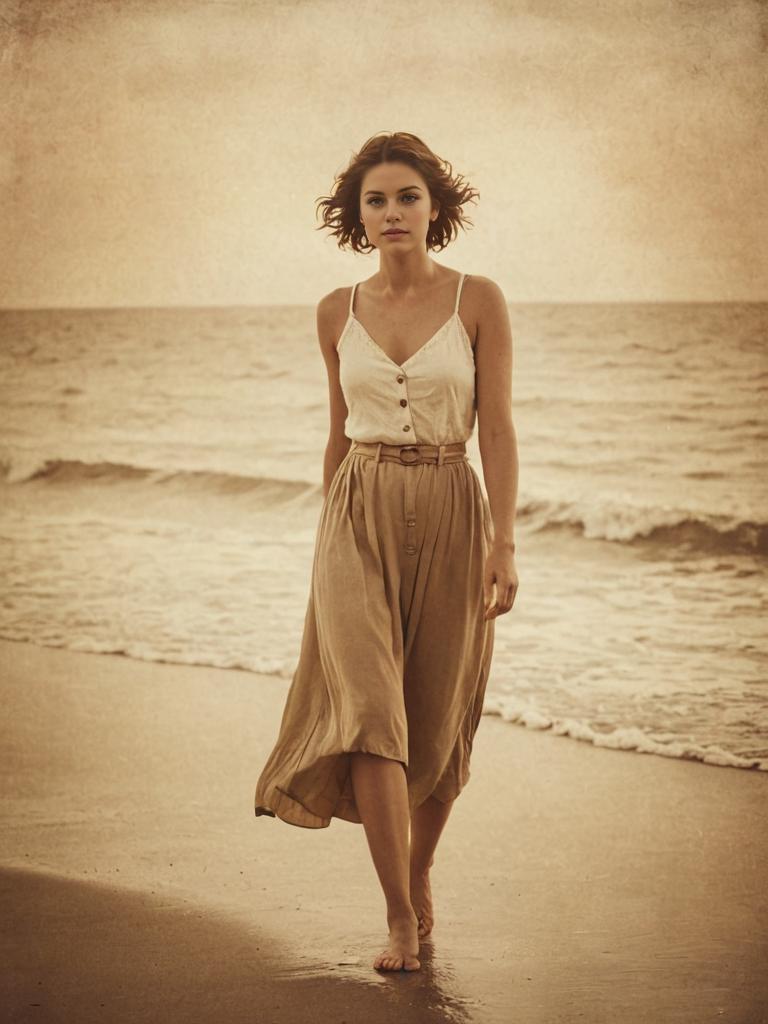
429 399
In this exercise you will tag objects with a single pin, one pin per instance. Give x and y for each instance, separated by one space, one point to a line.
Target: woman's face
394 195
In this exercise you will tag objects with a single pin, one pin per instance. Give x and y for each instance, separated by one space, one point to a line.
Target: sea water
161 482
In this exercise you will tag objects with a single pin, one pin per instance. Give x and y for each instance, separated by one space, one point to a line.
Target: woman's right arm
331 316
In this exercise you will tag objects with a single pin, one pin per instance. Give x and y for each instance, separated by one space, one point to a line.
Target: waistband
411 454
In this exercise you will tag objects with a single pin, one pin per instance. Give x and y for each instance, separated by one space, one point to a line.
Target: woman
387 695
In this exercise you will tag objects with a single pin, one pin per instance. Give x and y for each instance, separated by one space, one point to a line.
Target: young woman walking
412 564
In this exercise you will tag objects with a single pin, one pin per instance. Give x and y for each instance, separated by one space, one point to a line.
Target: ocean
161 482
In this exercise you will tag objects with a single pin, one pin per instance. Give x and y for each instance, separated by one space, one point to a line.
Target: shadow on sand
82 951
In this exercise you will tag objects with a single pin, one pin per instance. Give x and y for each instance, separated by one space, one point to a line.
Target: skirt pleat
395 652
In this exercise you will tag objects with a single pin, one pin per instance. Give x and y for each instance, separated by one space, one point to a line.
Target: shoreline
628 738
571 880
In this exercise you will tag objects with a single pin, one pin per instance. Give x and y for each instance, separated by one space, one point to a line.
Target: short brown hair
341 210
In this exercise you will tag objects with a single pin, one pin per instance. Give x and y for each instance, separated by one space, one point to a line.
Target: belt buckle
410 448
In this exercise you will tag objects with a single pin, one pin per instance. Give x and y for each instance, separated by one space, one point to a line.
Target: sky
172 152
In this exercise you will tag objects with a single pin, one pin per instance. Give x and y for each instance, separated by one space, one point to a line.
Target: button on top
400 380
403 402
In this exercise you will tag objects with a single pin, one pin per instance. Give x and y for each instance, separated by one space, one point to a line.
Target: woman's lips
394 234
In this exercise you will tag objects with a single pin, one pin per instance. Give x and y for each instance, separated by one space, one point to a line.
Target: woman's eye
377 199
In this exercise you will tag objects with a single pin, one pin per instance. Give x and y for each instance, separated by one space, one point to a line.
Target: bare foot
421 901
403 945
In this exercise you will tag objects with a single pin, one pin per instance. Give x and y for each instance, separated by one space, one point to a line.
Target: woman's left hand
499 570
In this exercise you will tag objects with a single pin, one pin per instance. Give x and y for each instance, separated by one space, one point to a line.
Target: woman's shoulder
332 313
334 304
483 287
332 299
482 299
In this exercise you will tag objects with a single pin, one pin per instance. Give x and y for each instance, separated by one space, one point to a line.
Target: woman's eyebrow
376 192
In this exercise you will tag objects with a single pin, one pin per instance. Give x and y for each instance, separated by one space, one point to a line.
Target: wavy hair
341 210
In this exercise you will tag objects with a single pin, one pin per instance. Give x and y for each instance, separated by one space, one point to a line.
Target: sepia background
165 414
169 153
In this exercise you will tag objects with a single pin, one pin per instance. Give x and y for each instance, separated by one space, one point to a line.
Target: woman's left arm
498 442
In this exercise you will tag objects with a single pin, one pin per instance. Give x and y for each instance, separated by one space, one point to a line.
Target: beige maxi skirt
395 652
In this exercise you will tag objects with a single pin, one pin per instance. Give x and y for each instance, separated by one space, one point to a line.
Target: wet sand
572 883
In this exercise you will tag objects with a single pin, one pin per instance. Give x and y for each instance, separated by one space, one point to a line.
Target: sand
572 883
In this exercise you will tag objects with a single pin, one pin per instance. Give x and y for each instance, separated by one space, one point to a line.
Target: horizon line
309 305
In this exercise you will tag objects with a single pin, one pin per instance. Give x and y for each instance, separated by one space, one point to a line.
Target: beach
200 306
571 883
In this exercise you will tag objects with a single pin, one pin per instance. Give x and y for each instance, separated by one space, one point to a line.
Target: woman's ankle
400 911
419 870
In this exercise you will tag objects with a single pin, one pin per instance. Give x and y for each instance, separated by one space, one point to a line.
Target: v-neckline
419 350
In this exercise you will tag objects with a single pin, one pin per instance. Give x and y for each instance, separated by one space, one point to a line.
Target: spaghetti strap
352 299
458 294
